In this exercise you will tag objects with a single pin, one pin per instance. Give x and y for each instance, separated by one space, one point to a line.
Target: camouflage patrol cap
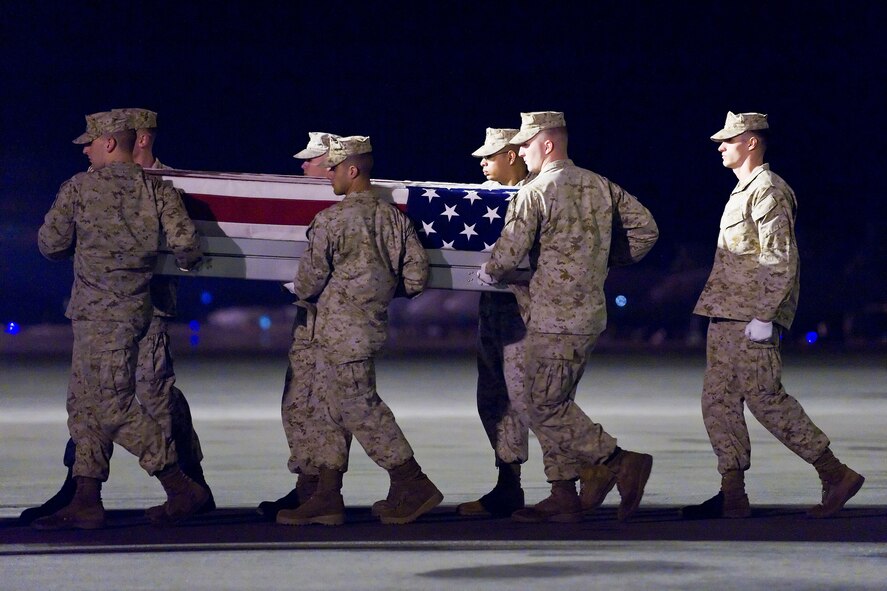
99 124
740 123
139 118
318 145
343 147
533 123
497 139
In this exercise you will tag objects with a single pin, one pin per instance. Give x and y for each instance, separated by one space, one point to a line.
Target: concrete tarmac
649 402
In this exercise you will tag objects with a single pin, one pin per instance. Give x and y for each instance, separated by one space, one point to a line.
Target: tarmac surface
650 402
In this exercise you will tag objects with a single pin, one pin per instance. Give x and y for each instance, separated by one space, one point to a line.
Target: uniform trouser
501 371
743 371
156 390
102 404
304 414
569 438
350 405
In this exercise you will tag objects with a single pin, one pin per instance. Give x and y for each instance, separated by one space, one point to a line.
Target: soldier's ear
110 144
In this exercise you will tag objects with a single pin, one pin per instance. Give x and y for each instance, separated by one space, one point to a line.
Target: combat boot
325 507
561 506
632 471
731 501
306 484
839 485
184 497
58 501
84 512
505 498
195 473
411 495
595 483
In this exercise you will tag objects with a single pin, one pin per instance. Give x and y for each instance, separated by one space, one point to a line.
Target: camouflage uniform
501 372
755 275
563 219
111 220
360 252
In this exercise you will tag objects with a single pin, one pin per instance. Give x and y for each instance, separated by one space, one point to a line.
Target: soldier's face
313 167
532 151
495 166
734 151
339 178
95 152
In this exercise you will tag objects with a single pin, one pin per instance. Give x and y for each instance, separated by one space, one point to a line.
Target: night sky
239 85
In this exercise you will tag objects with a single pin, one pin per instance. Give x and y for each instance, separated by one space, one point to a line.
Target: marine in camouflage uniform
111 220
155 376
501 354
751 297
564 220
299 406
361 252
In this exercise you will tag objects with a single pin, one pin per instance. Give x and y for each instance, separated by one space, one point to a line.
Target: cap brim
487 150
307 154
523 136
724 135
84 138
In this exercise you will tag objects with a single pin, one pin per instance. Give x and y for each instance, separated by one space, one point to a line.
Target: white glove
485 277
759 331
290 287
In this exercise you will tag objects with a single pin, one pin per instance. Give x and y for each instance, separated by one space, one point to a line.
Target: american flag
254 225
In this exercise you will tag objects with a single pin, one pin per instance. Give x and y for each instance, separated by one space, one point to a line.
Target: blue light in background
264 322
194 326
195 340
811 337
12 328
206 298
621 301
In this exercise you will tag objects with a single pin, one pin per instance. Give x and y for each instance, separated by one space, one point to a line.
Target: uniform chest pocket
739 233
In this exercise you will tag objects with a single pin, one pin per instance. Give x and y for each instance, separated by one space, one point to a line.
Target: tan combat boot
84 512
595 483
561 506
632 471
411 495
184 497
839 485
325 507
306 484
505 498
731 502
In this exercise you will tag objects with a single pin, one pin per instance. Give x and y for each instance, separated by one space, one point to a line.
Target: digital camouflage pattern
360 253
501 376
102 123
756 271
565 220
574 212
111 221
496 139
741 371
533 123
318 145
740 123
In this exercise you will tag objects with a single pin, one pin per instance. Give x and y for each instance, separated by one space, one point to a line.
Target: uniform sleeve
56 238
415 264
522 221
180 232
777 271
315 265
634 229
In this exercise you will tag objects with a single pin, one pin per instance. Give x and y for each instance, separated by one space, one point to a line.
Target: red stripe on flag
253 210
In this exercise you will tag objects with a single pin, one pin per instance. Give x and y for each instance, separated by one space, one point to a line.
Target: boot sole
852 493
69 525
427 506
332 519
625 512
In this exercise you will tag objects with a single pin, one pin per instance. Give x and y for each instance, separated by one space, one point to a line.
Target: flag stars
450 212
431 194
448 245
468 231
492 214
428 229
472 196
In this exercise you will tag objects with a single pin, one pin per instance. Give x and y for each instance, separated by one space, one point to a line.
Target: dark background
643 85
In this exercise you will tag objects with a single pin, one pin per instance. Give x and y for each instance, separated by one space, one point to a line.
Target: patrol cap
533 123
343 147
139 118
740 123
318 145
496 140
99 124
